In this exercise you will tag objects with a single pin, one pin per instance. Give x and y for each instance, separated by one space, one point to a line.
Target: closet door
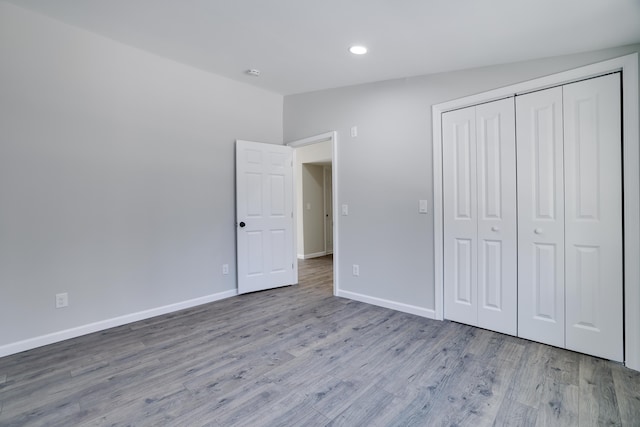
541 315
460 216
480 216
497 234
593 216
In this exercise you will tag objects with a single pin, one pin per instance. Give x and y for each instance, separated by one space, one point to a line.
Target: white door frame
631 180
333 137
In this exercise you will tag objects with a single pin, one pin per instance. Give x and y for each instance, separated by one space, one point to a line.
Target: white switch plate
356 270
354 131
345 210
422 208
62 300
225 268
308 206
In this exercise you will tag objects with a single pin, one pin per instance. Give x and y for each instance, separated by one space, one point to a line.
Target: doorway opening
315 195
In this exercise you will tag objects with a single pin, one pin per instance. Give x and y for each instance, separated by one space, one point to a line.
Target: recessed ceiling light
358 50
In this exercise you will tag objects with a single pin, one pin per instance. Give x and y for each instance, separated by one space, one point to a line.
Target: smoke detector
253 72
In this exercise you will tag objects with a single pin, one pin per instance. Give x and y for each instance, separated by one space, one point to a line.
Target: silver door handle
494 228
538 231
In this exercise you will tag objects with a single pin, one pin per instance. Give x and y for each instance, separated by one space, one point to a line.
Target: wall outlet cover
356 270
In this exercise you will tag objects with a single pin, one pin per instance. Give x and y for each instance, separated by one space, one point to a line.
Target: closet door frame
628 65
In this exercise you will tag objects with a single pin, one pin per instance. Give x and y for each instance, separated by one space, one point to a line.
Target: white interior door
497 216
460 216
541 312
264 209
593 216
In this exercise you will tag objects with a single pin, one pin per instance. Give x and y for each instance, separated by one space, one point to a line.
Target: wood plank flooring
298 356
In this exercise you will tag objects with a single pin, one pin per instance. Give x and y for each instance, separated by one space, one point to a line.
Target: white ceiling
302 45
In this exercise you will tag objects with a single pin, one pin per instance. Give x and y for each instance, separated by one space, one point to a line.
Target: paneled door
593 216
264 209
570 273
480 216
460 216
497 216
541 312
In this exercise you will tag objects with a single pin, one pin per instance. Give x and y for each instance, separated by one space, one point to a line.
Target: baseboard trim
314 255
398 306
31 343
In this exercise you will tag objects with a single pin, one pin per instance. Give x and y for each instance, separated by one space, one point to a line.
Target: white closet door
460 222
540 217
593 216
497 233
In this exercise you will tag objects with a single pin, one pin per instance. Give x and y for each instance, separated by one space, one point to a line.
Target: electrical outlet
356 270
62 300
225 268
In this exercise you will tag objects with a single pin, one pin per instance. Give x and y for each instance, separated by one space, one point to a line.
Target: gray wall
387 168
116 176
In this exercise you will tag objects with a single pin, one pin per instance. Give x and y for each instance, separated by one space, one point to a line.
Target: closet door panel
540 217
460 220
497 233
593 216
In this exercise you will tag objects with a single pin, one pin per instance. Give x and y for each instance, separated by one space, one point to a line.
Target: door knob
538 231
494 228
242 224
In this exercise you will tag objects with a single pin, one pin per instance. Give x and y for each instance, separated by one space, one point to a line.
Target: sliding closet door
540 217
593 216
460 216
497 234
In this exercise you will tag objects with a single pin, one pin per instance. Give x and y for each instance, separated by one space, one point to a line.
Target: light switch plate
422 207
62 300
345 210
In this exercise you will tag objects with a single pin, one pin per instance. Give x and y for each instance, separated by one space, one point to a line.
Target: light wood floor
298 356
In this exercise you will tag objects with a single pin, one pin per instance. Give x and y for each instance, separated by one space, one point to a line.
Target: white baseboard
405 308
314 255
54 337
